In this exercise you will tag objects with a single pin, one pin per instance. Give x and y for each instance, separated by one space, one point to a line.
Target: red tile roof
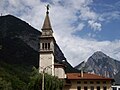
86 76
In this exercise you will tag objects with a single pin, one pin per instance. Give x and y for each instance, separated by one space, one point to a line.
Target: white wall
46 61
60 73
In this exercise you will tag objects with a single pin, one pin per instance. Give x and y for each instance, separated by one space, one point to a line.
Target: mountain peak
98 55
101 64
9 16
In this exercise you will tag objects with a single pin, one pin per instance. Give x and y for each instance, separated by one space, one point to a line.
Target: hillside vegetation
14 76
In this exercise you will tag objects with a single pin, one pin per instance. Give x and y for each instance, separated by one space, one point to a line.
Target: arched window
78 88
43 46
85 88
98 87
104 88
92 88
49 46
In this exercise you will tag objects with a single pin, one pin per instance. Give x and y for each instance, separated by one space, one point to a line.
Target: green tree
13 77
4 85
51 82
35 80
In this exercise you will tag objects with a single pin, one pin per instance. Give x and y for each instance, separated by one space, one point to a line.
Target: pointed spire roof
47 24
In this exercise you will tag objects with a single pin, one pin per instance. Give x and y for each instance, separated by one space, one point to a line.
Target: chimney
81 73
82 69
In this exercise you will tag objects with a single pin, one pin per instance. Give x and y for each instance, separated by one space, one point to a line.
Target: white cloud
62 17
87 14
80 27
108 16
91 35
77 49
95 25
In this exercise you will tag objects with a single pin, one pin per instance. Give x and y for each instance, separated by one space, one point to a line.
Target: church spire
47 24
47 46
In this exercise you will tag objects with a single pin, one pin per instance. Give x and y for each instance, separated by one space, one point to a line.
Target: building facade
86 81
48 64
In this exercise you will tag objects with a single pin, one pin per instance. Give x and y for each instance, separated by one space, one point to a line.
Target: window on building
98 82
114 88
104 82
92 88
104 88
85 88
118 88
91 82
78 82
85 82
78 88
68 81
43 45
98 87
49 46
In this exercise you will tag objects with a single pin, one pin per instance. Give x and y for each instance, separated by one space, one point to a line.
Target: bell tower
46 61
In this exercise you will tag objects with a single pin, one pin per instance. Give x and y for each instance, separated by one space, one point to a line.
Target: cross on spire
48 6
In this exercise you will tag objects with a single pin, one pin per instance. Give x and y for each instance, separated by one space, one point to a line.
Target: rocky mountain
19 43
101 64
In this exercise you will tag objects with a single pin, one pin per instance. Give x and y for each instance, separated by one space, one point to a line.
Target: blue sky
110 27
109 31
81 27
